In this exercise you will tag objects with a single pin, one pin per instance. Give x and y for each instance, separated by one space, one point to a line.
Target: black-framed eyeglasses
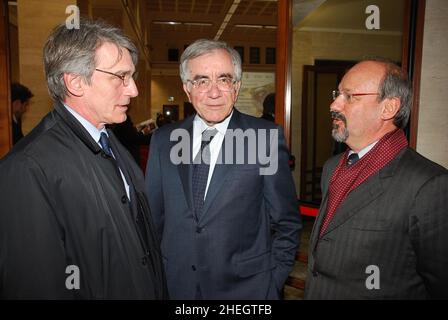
204 84
125 78
349 96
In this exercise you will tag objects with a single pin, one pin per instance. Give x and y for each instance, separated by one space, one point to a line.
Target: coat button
144 260
193 267
124 199
199 229
315 273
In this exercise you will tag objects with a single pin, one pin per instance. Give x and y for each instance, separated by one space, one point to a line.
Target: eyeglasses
349 96
204 85
125 78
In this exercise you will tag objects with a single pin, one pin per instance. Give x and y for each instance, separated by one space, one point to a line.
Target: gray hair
204 46
74 51
395 84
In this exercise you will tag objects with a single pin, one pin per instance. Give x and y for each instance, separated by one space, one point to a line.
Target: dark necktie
134 204
201 166
105 144
139 215
352 159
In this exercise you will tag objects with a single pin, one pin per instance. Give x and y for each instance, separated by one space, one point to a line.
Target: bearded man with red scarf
382 229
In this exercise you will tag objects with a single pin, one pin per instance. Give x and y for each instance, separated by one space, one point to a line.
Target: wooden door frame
284 68
5 99
412 44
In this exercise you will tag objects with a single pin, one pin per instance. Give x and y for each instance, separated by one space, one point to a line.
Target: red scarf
347 178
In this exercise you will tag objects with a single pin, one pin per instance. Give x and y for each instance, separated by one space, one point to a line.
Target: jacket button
193 267
124 199
144 261
315 273
199 229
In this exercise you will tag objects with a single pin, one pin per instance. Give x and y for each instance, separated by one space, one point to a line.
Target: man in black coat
75 222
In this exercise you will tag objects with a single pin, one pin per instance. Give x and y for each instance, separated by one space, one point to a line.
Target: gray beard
339 135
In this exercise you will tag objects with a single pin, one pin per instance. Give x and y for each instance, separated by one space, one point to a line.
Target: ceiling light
256 26
198 23
167 22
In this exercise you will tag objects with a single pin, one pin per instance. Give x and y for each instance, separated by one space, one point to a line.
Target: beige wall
36 19
309 46
164 86
432 135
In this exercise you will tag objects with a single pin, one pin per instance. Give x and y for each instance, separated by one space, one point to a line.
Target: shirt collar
363 151
91 129
221 127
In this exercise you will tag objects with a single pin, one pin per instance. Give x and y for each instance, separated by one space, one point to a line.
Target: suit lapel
221 169
364 194
355 201
185 169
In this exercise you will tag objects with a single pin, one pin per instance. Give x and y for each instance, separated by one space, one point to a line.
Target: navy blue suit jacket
243 245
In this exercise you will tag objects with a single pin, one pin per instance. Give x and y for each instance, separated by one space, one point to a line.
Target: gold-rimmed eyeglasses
125 78
204 84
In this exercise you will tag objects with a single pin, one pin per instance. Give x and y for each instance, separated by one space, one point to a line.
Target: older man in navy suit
220 189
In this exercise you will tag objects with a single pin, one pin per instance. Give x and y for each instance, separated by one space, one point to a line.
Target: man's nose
131 88
214 90
337 104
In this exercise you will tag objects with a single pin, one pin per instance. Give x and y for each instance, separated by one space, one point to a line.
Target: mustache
338 116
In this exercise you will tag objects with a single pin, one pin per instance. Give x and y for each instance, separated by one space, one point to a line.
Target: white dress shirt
95 133
363 152
200 126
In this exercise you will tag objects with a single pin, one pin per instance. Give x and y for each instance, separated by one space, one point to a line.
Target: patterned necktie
352 159
201 166
105 144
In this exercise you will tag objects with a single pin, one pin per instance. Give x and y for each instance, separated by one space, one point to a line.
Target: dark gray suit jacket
243 245
397 221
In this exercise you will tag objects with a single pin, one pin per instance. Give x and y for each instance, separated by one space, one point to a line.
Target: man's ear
16 104
237 89
74 84
390 108
186 91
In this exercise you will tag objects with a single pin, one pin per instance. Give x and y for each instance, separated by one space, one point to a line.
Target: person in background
269 107
228 230
75 222
20 98
269 115
131 138
382 228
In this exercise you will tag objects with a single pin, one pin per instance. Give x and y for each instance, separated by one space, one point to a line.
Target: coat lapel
221 169
185 169
355 201
368 191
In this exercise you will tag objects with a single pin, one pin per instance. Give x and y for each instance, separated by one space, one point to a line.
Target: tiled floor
295 284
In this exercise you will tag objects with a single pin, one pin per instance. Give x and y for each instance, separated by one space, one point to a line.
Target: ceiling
235 21
241 16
